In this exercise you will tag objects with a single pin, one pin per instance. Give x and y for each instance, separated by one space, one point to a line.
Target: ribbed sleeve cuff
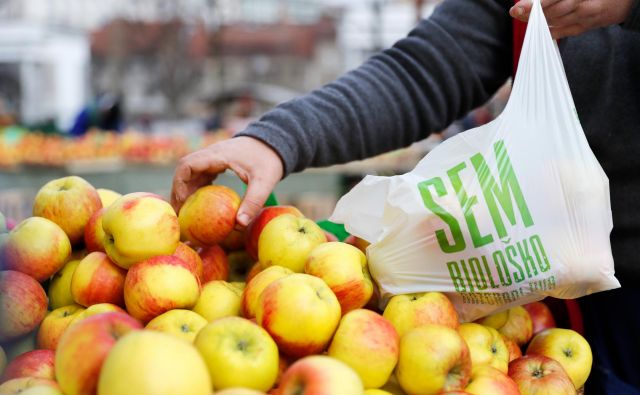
633 20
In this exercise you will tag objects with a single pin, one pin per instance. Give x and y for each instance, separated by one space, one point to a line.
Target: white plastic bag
500 215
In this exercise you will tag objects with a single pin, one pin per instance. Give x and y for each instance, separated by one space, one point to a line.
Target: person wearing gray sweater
449 64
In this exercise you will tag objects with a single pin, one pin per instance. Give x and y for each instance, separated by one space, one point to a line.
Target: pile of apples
147 301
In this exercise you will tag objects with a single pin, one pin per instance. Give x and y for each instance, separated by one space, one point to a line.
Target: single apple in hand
255 287
184 324
344 268
318 374
486 346
312 303
60 286
84 347
153 363
369 344
219 299
159 284
567 347
287 241
69 202
23 304
413 310
238 353
537 374
514 323
433 358
541 316
215 265
54 325
98 280
489 380
36 247
257 224
209 215
139 226
94 235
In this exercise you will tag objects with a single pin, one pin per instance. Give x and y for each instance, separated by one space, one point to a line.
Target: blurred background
116 90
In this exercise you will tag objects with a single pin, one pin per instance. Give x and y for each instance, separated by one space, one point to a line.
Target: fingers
258 191
194 171
552 8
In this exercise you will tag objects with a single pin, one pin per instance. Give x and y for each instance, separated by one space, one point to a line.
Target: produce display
124 295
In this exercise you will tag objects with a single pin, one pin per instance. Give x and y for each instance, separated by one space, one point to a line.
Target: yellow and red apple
54 325
191 258
487 380
514 323
215 265
219 299
98 280
320 375
94 235
537 374
486 346
181 323
413 310
257 224
541 316
23 304
254 288
107 196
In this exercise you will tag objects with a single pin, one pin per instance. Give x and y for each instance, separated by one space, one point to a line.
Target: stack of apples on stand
143 300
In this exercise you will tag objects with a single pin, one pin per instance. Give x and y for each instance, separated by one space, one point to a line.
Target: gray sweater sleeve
449 64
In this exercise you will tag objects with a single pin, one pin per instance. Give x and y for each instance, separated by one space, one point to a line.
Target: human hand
254 162
574 17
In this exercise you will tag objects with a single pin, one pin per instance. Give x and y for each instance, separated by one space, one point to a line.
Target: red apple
54 325
36 363
69 202
98 280
159 284
537 374
209 215
191 258
37 247
254 229
540 316
23 304
215 265
320 375
93 232
84 347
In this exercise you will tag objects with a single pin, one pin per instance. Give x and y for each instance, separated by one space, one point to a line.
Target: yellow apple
413 310
54 325
344 268
107 196
139 226
239 391
300 312
514 323
84 347
433 358
369 344
98 280
486 346
96 309
238 353
159 284
257 284
376 391
30 386
322 375
36 247
60 286
287 240
208 216
184 324
153 363
218 299
567 347
69 202
23 304
489 380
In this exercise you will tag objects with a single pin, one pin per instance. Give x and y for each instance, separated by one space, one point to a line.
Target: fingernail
243 219
519 11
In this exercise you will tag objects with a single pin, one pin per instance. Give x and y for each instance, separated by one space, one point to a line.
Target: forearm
448 65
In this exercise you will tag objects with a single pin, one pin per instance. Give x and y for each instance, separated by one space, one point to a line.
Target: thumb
257 193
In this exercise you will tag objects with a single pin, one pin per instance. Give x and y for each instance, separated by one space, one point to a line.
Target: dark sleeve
450 63
633 20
